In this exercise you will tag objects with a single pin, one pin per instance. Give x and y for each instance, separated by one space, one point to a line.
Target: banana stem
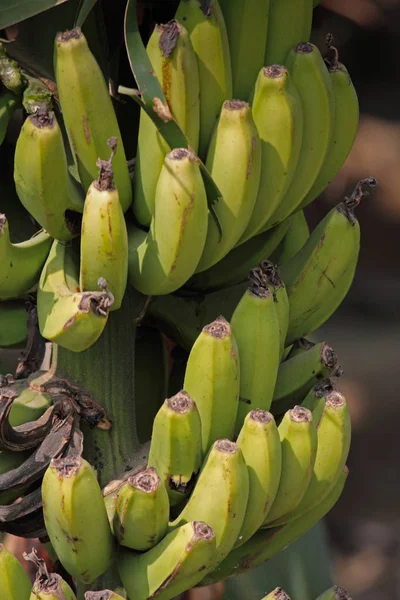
106 370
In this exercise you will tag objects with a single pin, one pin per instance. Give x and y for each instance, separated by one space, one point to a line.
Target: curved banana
261 447
205 24
175 565
267 542
175 66
312 81
175 447
335 593
289 23
276 285
347 114
220 495
234 162
212 379
247 26
278 115
298 435
334 436
297 375
88 111
76 519
13 323
255 326
72 319
162 260
14 581
43 183
8 103
141 511
277 594
104 238
295 237
313 268
20 263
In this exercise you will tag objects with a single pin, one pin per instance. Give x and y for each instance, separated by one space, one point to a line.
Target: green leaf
84 8
151 98
14 11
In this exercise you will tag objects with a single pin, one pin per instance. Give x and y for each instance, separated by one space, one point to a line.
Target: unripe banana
255 326
220 495
175 66
103 595
43 183
278 116
141 511
76 519
316 398
276 285
8 103
295 237
162 260
21 263
289 23
266 543
205 24
334 435
88 111
212 379
247 26
14 581
345 127
261 447
325 264
47 586
277 594
296 376
234 162
298 435
236 265
335 593
175 565
104 238
311 78
13 323
72 319
30 404
301 345
175 448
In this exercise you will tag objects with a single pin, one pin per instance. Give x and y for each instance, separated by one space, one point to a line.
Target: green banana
43 183
275 283
261 447
141 511
247 26
236 265
325 264
76 519
234 162
334 435
31 403
296 376
22 262
335 593
151 378
347 114
175 448
289 23
13 323
175 565
266 543
212 379
277 594
48 586
255 327
220 495
162 260
298 435
104 239
295 237
88 111
301 345
278 116
14 581
311 78
316 398
205 24
103 595
8 103
72 319
10 73
175 66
